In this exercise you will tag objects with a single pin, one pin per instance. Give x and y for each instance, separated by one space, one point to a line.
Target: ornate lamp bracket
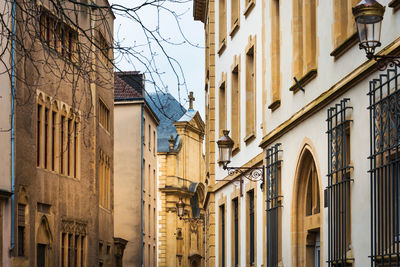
384 61
253 174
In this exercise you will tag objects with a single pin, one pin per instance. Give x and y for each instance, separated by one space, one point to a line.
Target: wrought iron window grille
273 203
339 181
384 96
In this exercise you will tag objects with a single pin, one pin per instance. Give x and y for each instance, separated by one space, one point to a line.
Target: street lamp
368 15
225 145
180 210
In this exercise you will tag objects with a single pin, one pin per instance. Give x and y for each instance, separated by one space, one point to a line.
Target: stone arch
306 209
44 235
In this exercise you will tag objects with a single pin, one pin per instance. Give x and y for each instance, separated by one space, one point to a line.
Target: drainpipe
12 127
141 191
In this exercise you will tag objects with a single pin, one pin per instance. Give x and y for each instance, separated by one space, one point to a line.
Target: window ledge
234 29
222 47
345 46
235 151
250 137
249 7
308 77
274 105
395 4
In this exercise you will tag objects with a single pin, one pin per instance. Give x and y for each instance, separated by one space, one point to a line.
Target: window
235 232
154 143
250 92
275 54
304 39
274 203
62 151
53 139
222 23
235 104
222 236
384 98
235 15
46 136
104 180
105 50
149 189
155 184
72 249
222 107
144 176
104 115
344 25
39 135
58 35
250 228
21 230
149 137
339 200
144 131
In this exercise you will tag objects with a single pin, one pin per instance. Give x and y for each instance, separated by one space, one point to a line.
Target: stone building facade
64 136
181 176
302 102
136 170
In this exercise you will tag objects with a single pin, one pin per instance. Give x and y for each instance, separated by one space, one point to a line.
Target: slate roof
168 110
128 85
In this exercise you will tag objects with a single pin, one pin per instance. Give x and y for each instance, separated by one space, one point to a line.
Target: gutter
13 20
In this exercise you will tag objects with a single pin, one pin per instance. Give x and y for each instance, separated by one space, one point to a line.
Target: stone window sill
345 46
274 105
250 137
235 28
308 77
222 47
395 4
249 7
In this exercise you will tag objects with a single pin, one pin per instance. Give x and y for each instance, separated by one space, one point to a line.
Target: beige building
305 105
181 177
135 149
6 143
63 137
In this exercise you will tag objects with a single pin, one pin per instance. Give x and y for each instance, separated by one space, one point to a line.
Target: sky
185 57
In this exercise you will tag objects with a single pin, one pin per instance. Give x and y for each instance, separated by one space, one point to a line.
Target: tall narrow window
222 107
62 140
104 115
304 40
250 94
149 137
144 131
222 236
63 238
222 22
75 147
275 54
149 182
46 136
344 24
144 176
384 95
76 251
69 156
235 229
235 107
70 250
339 201
235 14
21 230
53 139
154 143
38 134
274 222
155 184
250 228
82 251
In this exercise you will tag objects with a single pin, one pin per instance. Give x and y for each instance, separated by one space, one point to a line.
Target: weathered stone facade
64 137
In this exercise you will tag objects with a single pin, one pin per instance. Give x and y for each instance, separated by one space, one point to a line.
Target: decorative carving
73 227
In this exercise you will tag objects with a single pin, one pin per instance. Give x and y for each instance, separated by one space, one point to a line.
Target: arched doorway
44 240
306 213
